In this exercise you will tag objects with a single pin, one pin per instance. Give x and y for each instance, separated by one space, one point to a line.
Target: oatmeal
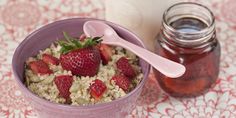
87 73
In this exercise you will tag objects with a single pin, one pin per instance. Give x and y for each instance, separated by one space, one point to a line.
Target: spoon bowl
110 37
98 28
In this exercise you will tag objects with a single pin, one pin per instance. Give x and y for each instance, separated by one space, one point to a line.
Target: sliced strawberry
97 89
122 81
106 53
63 83
39 67
124 66
49 59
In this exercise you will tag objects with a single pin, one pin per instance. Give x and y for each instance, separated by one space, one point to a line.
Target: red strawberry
39 67
81 58
83 62
121 81
49 59
97 89
124 66
63 83
106 53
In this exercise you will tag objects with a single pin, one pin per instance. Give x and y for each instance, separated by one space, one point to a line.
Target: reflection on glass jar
188 37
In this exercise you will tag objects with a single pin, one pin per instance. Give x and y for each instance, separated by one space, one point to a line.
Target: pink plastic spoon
110 37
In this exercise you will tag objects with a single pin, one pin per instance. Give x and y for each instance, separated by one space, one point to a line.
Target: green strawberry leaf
77 43
67 37
71 43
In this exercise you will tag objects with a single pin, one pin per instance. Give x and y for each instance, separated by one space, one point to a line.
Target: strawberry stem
70 43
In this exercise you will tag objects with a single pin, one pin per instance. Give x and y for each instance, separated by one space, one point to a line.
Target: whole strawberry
80 57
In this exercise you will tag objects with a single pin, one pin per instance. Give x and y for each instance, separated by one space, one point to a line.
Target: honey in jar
188 37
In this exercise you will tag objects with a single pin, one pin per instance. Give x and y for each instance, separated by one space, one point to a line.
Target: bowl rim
62 106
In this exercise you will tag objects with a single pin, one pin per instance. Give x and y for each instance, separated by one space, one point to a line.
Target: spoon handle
163 65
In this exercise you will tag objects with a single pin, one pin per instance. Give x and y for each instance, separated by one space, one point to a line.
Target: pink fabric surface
20 17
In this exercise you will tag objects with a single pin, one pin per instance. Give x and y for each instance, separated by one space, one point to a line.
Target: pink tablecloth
19 17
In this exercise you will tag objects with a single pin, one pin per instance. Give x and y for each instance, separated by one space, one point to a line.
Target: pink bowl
41 39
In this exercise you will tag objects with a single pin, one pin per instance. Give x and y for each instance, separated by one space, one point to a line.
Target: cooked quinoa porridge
91 74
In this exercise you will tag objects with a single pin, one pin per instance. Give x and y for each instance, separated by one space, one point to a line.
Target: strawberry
49 59
39 67
124 66
106 53
83 62
97 89
63 83
81 58
122 81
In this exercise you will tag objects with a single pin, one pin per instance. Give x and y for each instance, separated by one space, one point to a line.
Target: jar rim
211 25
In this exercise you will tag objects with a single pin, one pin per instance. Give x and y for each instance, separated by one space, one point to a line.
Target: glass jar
188 37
